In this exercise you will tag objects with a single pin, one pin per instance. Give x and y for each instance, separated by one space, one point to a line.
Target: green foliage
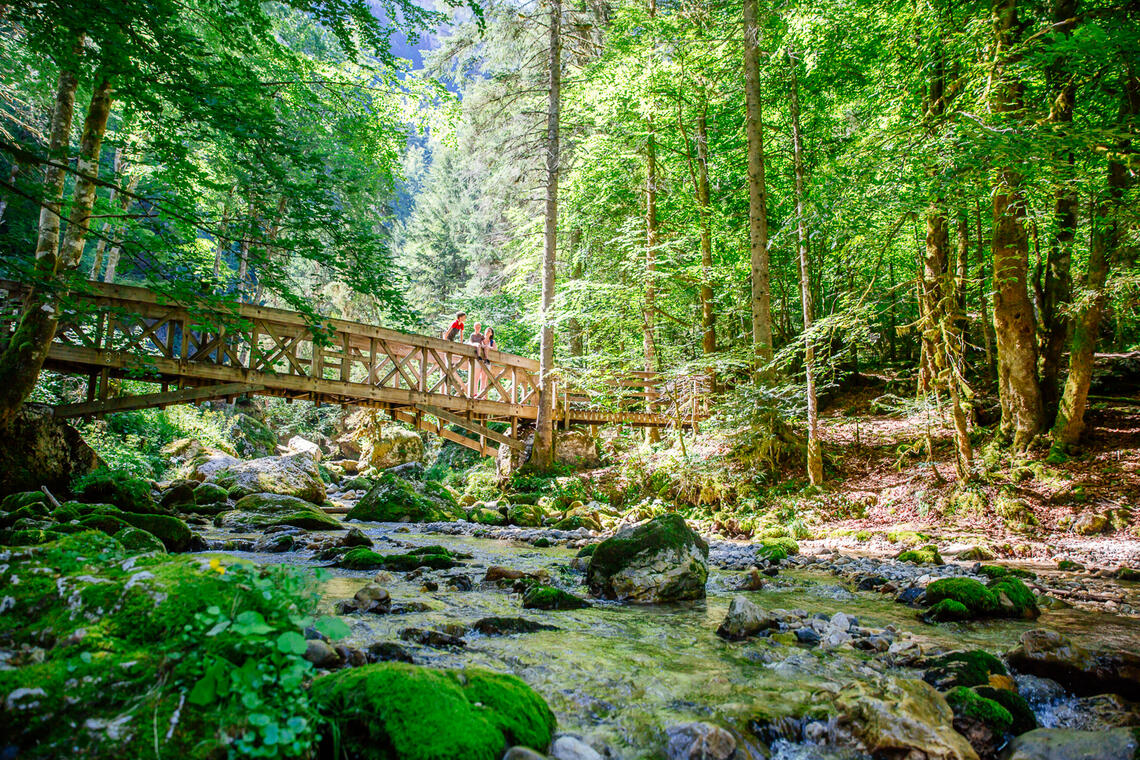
109 486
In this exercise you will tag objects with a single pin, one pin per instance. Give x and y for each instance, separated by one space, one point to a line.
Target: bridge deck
124 331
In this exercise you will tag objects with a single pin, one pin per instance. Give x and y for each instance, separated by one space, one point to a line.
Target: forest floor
879 464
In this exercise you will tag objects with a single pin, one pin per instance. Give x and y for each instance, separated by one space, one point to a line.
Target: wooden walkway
196 352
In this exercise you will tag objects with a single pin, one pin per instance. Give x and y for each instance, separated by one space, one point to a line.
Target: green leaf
251 623
333 627
204 692
291 642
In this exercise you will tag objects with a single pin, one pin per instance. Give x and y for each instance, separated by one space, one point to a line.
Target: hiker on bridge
455 332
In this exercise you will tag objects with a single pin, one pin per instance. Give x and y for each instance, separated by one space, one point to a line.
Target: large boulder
417 712
295 475
1048 654
377 446
40 450
194 460
394 499
662 560
901 718
1067 744
262 510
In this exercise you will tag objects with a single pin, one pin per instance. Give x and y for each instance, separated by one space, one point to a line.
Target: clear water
621 674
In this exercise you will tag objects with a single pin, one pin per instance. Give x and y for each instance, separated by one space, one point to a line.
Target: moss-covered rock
209 493
106 486
969 704
174 534
394 499
778 548
1013 598
526 515
927 555
34 511
1004 597
1023 717
574 522
662 560
485 515
261 510
968 668
14 501
295 475
994 572
251 437
541 597
363 558
136 540
396 711
945 611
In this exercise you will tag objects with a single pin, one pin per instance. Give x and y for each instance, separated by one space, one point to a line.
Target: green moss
525 515
542 542
967 592
927 555
786 544
34 511
967 703
907 537
772 553
574 522
587 550
209 493
946 610
1022 714
125 491
261 510
970 668
995 572
395 711
394 499
28 537
363 558
1127 574
540 597
251 437
1069 565
14 501
486 516
174 534
1011 591
138 541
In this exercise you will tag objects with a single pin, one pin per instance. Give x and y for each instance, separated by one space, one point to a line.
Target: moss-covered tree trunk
1106 234
757 189
1015 326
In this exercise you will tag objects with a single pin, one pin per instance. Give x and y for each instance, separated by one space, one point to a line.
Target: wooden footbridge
197 352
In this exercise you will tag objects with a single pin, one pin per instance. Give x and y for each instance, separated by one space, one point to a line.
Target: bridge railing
127 329
682 399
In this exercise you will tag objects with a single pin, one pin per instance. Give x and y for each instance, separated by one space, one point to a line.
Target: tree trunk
542 453
708 320
222 242
28 347
12 175
984 294
757 189
1014 322
1058 290
59 140
116 250
652 434
106 227
814 450
1106 234
574 325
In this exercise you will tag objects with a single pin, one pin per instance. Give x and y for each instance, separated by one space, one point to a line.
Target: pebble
567 747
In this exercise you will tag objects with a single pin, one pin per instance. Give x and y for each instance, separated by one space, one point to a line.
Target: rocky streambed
835 670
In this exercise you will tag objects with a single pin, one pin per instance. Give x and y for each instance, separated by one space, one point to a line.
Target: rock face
377 446
251 436
41 450
1066 744
296 475
419 712
194 460
572 448
394 499
1048 654
662 560
901 718
261 510
745 619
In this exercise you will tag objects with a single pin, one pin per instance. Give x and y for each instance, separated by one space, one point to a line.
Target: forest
570 379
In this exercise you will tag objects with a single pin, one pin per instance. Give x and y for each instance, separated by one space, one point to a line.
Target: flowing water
620 674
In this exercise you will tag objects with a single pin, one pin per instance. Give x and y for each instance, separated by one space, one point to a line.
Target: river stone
1090 524
900 718
261 510
381 446
299 445
294 475
321 654
662 560
523 753
373 598
699 741
745 619
394 499
1067 744
1049 654
572 748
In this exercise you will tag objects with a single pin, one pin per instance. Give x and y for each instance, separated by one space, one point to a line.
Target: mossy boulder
296 475
662 560
485 515
1004 597
927 555
251 437
394 499
538 596
262 510
136 540
106 486
14 501
174 534
396 711
526 515
982 721
1023 716
576 521
967 668
34 511
363 558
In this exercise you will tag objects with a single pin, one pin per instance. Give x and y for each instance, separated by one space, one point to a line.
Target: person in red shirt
455 332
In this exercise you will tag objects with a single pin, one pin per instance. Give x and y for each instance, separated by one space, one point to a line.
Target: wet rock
277 543
699 741
662 560
523 753
434 639
321 654
388 651
394 499
1066 744
263 510
296 475
541 597
355 537
500 573
351 656
900 718
966 668
373 598
571 748
1090 524
460 582
180 494
807 636
745 619
42 450
1046 653
500 626
752 581
910 596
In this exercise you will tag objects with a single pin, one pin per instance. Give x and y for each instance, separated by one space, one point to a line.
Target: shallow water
621 673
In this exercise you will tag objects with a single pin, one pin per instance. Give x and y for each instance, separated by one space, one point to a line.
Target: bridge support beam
152 400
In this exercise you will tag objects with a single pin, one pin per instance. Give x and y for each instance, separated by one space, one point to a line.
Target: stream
618 675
